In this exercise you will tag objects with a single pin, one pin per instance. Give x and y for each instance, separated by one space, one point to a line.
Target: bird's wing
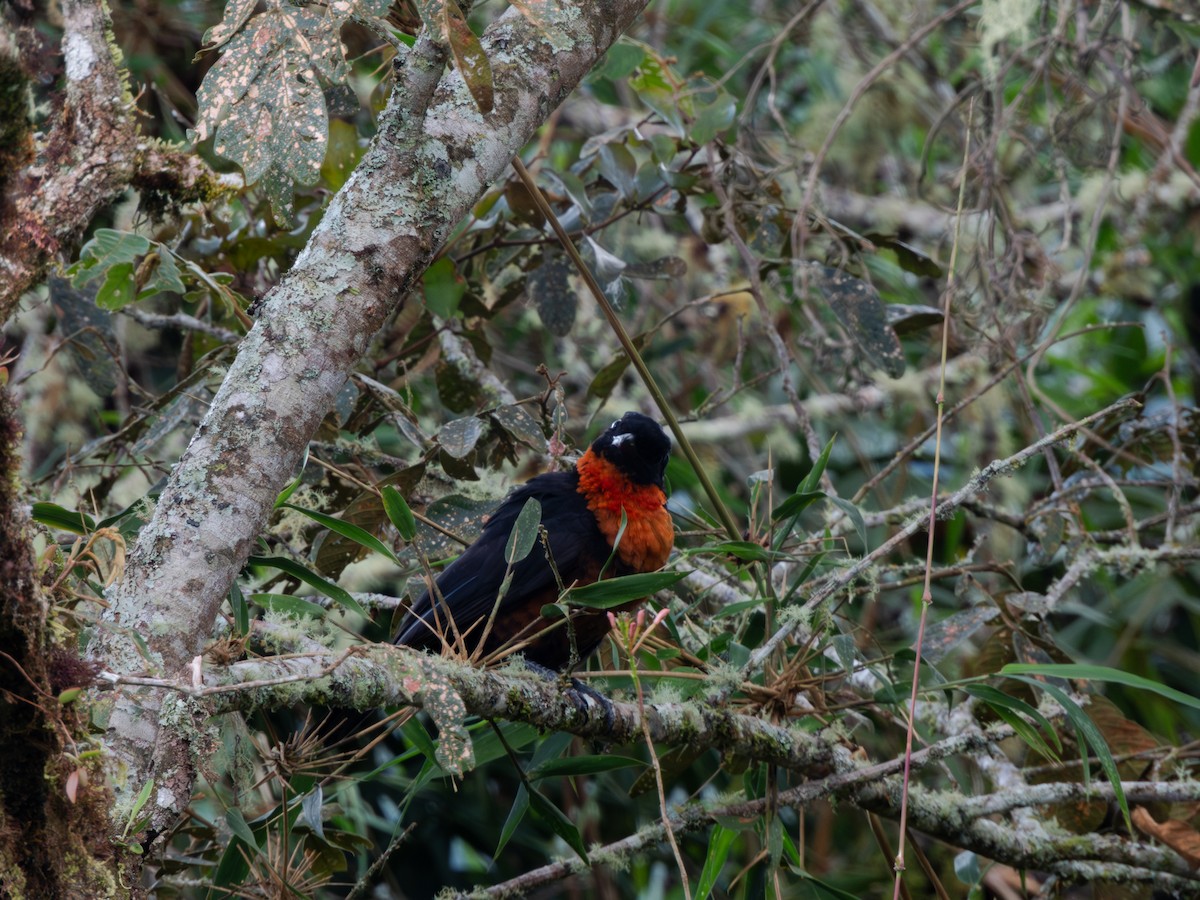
469 585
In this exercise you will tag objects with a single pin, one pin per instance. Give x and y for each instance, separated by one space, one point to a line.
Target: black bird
581 513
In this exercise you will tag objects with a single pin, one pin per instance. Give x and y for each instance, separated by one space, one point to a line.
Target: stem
927 594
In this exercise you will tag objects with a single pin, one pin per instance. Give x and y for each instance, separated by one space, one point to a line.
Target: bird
620 475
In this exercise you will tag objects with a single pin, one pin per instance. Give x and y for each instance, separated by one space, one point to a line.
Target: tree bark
433 157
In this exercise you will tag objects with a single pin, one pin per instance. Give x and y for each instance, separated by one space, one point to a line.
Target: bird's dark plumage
581 513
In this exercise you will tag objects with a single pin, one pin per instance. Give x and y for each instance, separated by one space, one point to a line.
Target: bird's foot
586 698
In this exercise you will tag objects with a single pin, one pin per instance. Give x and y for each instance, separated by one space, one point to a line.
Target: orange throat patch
649 535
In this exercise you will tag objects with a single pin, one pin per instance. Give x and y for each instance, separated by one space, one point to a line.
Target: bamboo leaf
399 513
1090 734
54 516
558 822
347 530
1090 672
312 579
569 766
615 591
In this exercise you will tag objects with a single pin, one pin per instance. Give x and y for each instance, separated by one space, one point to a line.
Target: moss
16 144
517 705
90 878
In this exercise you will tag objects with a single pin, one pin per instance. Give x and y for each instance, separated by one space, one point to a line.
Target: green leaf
569 766
240 608
515 815
54 516
748 551
310 812
399 513
1008 708
734 609
342 155
70 695
312 579
822 888
286 603
106 249
238 825
713 118
620 61
813 478
414 732
488 746
796 504
347 530
618 167
851 510
774 841
165 277
806 494
616 544
558 822
233 868
524 532
119 288
720 839
295 483
910 258
609 376
1090 734
966 867
444 288
1090 672
615 591
138 803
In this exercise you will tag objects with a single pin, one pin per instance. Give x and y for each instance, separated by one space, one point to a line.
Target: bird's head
637 446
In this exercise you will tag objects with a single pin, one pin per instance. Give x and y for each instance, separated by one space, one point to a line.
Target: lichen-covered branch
382 675
990 825
377 236
386 676
1072 858
90 155
946 508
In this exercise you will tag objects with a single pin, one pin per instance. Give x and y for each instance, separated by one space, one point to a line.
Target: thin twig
363 884
927 592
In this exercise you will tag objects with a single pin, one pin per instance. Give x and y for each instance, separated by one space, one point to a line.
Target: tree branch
89 156
975 485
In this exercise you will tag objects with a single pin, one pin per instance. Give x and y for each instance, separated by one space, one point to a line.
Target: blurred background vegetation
770 194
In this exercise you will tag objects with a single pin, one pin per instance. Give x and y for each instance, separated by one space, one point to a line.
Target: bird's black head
638 446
